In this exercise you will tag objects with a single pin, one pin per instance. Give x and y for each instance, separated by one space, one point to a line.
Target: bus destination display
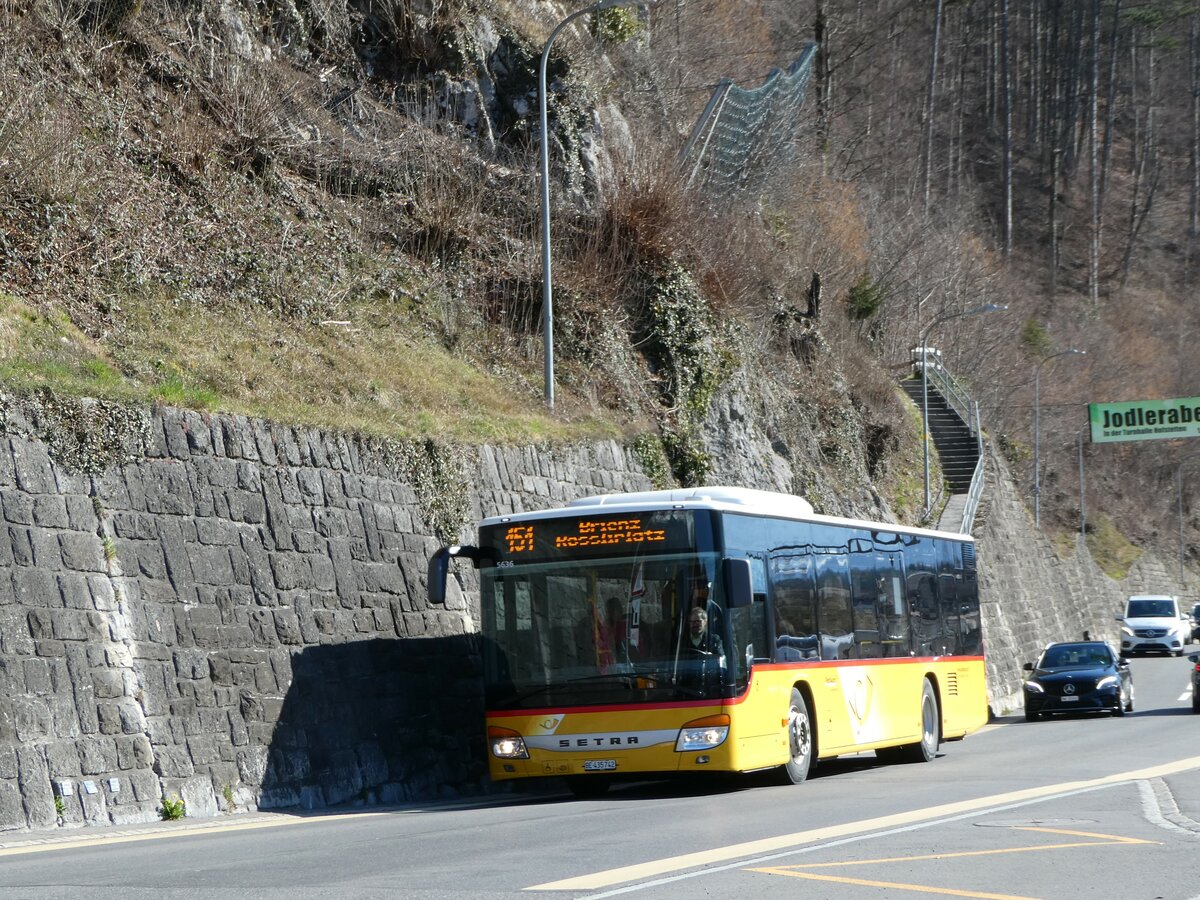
615 535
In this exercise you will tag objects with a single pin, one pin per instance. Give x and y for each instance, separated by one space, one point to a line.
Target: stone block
134 752
198 429
50 511
210 565
104 597
312 490
168 491
12 807
33 779
8 475
171 540
70 625
191 664
218 532
32 467
173 762
82 552
46 553
97 755
287 627
62 760
145 786
37 676
75 591
175 435
291 571
109 717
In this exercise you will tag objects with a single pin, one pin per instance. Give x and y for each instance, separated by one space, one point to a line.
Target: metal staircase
958 441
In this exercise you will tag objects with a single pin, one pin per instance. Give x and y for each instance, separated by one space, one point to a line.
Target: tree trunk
1094 160
930 96
1006 101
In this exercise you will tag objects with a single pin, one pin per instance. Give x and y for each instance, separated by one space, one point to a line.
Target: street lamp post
924 351
1037 430
547 289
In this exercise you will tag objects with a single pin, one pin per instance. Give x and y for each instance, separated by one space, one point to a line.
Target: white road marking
787 843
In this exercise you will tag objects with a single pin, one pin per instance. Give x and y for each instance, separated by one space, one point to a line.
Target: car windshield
1064 656
1146 609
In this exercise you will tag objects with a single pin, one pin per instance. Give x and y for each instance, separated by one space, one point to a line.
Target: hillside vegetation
327 212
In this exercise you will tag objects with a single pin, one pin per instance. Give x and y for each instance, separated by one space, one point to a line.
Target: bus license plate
599 765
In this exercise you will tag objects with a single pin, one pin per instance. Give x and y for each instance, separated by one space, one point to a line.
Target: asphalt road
1080 807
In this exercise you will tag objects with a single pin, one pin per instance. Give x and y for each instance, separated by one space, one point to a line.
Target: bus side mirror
739 592
439 569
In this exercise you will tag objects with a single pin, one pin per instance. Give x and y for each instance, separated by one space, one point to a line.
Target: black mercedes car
1078 676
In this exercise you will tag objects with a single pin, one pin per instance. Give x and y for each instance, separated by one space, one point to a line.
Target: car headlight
703 734
1108 681
1127 631
1034 688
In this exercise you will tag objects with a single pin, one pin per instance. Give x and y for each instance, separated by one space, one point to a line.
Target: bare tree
930 95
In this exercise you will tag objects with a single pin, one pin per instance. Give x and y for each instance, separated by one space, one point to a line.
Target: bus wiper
625 679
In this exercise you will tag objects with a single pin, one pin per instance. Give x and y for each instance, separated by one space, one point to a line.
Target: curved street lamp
547 289
924 351
1037 429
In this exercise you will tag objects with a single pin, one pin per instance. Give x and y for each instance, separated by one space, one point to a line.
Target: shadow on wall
378 721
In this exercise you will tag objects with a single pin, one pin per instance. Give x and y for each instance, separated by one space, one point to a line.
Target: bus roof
727 499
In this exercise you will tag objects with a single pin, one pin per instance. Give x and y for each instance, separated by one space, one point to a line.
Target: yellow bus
717 629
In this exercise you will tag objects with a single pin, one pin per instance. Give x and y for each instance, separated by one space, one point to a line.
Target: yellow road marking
129 838
658 868
1104 840
919 888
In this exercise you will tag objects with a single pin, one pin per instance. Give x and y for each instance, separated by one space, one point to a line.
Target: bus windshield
606 630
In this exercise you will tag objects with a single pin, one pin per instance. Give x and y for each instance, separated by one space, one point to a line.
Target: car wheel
1031 716
1119 709
799 740
1195 702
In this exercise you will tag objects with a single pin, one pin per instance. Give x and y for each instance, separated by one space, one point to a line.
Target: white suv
1154 622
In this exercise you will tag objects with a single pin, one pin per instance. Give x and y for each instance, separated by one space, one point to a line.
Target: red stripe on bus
727 701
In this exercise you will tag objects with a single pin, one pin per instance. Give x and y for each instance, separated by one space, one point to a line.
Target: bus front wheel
800 740
925 749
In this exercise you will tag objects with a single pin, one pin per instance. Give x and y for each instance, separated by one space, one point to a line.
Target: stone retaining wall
233 613
237 619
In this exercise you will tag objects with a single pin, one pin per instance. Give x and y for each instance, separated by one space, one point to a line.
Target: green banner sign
1144 420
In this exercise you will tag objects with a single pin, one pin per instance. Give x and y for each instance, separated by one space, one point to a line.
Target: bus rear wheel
925 749
800 740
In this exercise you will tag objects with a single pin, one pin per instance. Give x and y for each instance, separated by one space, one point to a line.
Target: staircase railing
960 401
956 398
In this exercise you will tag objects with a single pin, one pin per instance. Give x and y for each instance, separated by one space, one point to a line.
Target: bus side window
893 616
795 612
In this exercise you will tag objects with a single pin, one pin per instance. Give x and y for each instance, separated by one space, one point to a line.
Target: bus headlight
703 734
506 743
